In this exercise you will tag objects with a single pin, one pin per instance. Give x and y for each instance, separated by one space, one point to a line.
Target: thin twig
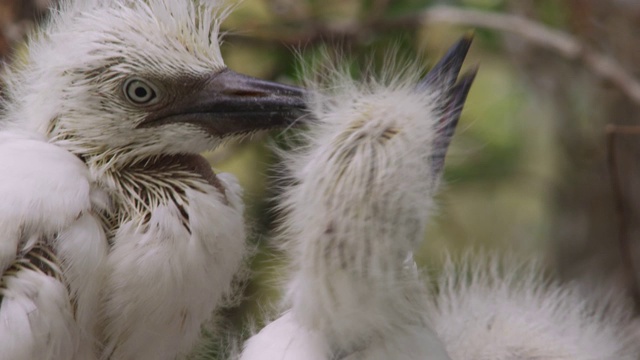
565 44
305 34
622 210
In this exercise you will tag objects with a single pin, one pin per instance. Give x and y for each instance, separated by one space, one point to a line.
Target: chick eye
139 91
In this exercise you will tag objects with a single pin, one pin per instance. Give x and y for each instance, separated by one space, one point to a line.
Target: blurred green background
527 170
499 168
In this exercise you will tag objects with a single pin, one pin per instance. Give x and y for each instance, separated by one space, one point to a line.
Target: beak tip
445 72
468 37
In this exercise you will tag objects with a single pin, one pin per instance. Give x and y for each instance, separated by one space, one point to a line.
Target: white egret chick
358 205
360 194
117 240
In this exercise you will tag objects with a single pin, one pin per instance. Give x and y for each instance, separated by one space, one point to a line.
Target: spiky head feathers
97 68
378 143
361 194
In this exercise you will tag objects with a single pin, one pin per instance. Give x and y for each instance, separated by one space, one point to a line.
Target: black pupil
141 92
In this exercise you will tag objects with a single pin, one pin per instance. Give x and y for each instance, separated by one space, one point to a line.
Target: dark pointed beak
452 96
229 103
444 74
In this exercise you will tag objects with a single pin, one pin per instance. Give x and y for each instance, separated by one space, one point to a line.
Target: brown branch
565 44
622 211
311 34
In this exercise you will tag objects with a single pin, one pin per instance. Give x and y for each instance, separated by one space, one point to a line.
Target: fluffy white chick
361 194
117 240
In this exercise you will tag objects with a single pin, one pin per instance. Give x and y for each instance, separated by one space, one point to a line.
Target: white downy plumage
117 241
360 195
494 308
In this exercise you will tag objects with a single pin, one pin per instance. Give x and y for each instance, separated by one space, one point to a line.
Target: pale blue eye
139 91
